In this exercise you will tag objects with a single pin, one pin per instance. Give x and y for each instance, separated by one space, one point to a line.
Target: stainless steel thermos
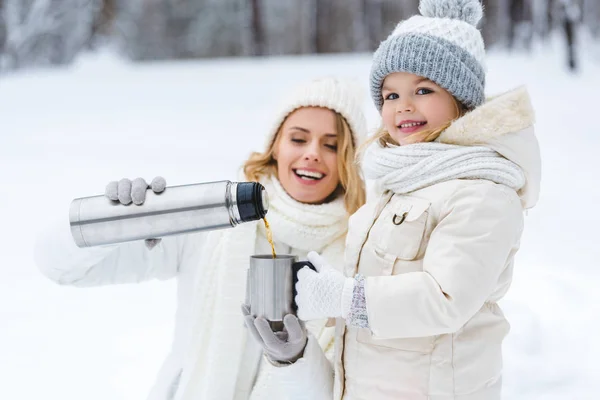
182 209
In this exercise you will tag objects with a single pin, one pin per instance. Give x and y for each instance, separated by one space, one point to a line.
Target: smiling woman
306 154
311 148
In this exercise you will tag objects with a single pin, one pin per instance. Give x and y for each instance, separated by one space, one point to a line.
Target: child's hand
323 294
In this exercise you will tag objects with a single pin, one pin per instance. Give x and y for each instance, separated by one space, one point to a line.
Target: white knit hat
343 96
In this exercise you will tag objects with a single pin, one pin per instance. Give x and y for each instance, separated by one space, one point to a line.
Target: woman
313 186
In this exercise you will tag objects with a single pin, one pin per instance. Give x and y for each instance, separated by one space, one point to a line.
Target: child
427 262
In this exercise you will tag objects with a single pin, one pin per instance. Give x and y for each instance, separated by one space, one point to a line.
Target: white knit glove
323 294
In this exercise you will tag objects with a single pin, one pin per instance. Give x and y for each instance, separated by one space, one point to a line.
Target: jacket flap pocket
420 345
410 208
403 227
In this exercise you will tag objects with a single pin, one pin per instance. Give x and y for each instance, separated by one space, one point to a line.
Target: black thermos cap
252 201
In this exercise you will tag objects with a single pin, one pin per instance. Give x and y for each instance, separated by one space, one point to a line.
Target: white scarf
403 169
218 333
304 226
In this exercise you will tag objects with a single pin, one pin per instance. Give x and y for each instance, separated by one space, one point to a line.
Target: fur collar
506 113
504 123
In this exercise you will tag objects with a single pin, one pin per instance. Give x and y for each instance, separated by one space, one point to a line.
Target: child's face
306 154
412 104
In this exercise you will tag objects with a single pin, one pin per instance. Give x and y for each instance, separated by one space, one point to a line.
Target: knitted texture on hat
443 45
342 96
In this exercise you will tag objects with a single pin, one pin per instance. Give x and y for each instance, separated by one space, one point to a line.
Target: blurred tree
570 14
374 21
520 31
42 32
220 28
342 26
46 32
288 26
495 24
107 11
258 39
3 31
393 12
167 29
322 18
591 16
539 17
142 31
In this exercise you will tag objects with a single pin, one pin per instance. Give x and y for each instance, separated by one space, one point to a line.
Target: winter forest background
53 32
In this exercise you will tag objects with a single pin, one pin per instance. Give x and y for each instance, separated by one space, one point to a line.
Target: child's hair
383 137
351 183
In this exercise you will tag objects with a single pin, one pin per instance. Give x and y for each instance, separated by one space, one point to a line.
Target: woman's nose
312 154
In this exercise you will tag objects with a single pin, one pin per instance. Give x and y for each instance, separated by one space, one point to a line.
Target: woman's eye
424 91
298 140
391 96
331 147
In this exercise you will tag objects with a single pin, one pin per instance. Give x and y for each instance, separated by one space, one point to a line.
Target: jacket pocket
401 228
374 262
423 345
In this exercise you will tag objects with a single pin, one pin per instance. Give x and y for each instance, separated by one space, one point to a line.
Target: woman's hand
285 346
126 192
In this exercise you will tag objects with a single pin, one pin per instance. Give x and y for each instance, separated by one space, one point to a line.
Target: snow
66 133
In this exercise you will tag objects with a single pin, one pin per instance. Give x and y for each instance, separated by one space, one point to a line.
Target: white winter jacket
179 257
433 281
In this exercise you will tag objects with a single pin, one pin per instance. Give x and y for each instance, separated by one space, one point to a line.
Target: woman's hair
351 183
429 135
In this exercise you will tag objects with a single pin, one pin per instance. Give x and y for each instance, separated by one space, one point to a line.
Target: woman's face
306 154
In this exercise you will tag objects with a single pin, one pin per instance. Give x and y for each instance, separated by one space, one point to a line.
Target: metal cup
271 283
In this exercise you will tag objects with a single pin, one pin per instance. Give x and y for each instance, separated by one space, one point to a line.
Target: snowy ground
65 133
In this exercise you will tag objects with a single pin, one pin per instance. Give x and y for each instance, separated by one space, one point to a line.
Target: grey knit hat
442 44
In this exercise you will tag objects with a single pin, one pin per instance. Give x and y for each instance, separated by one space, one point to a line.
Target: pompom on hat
442 44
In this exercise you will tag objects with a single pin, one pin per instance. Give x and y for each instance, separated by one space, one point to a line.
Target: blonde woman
313 184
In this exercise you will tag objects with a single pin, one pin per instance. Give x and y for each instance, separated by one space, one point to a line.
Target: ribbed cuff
358 310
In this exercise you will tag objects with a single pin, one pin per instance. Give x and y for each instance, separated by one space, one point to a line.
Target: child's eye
424 91
391 96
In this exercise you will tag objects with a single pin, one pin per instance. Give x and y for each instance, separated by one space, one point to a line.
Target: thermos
270 286
177 210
